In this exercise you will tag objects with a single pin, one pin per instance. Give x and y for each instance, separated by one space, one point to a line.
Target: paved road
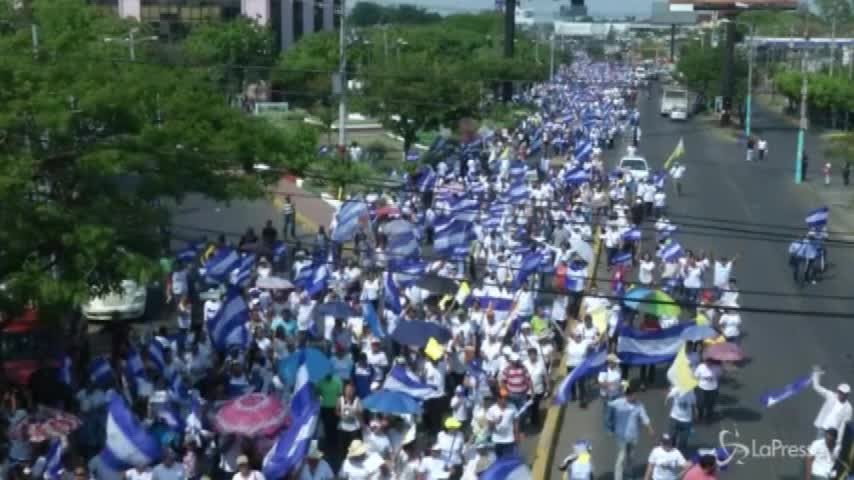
719 183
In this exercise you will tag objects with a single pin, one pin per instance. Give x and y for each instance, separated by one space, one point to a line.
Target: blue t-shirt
362 379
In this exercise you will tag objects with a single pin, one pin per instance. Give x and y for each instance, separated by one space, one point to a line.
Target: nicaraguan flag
347 219
279 250
177 390
582 151
425 180
621 258
592 363
518 191
391 294
635 347
818 217
240 275
400 380
576 176
518 169
292 445
773 397
369 315
671 252
313 278
170 417
403 243
509 467
450 236
530 263
632 235
228 326
188 253
53 461
303 400
464 209
219 267
407 271
100 372
156 354
128 444
499 304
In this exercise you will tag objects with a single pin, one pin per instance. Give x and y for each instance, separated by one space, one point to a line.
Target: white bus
675 103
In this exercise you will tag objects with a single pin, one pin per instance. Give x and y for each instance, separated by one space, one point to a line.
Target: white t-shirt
613 379
504 421
667 464
707 377
731 324
367 469
645 272
722 273
179 283
321 472
823 458
659 199
575 352
693 276
134 474
682 409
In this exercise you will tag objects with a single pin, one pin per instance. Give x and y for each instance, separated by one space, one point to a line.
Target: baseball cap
844 388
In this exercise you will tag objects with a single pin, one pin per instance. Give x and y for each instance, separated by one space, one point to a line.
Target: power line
516 269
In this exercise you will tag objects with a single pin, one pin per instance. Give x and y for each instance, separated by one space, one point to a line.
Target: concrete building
289 19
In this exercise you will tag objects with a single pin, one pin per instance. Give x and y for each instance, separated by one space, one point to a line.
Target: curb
554 417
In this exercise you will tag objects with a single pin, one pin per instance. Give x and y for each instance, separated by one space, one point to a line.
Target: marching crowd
417 337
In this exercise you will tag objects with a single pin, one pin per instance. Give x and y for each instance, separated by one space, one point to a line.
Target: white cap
844 388
513 357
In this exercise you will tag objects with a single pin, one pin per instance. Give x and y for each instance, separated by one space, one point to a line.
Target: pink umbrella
250 415
47 423
724 352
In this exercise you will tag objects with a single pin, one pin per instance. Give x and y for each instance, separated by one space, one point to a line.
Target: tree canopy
700 69
91 143
366 14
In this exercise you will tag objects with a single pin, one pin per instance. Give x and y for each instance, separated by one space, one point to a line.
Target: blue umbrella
696 333
633 297
317 362
416 333
391 401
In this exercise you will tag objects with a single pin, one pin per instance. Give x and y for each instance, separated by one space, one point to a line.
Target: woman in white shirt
576 349
349 411
646 269
730 325
371 290
707 374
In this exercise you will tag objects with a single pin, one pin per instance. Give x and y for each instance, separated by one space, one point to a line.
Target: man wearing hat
377 440
836 410
665 461
245 471
315 467
610 383
360 464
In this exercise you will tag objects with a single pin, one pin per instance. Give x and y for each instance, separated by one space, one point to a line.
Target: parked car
127 303
635 166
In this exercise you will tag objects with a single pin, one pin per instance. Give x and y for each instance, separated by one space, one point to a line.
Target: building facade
289 19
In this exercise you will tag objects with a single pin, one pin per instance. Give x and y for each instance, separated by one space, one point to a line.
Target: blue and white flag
450 236
635 347
464 209
313 278
347 220
303 401
188 253
425 180
498 304
530 263
400 380
518 191
100 372
518 169
671 252
292 445
773 397
177 391
576 176
128 444
403 242
227 327
391 294
632 235
818 217
582 151
621 258
509 467
53 461
369 315
157 354
218 268
592 363
171 417
407 271
240 276
279 250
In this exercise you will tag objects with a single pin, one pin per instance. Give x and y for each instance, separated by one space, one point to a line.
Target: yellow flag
443 303
680 374
433 349
702 319
600 319
462 293
677 152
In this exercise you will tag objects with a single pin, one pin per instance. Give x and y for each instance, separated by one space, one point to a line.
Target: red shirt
516 379
697 473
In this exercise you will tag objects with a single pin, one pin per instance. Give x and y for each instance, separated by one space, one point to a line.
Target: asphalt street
729 208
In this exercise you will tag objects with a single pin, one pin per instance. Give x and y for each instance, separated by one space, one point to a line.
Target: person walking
627 414
826 171
751 145
836 410
822 455
762 147
288 218
682 410
846 173
707 374
665 462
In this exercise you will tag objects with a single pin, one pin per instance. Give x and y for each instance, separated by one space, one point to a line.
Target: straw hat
357 449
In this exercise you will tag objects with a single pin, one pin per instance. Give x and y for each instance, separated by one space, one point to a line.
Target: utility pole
799 157
385 41
342 77
509 40
749 100
34 29
832 44
552 60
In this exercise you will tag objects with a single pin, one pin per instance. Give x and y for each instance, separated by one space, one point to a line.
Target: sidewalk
311 210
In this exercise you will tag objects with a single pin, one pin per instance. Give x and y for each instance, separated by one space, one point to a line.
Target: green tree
701 70
304 72
238 51
90 146
366 14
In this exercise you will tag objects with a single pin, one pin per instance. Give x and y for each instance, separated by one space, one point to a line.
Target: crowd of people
416 337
